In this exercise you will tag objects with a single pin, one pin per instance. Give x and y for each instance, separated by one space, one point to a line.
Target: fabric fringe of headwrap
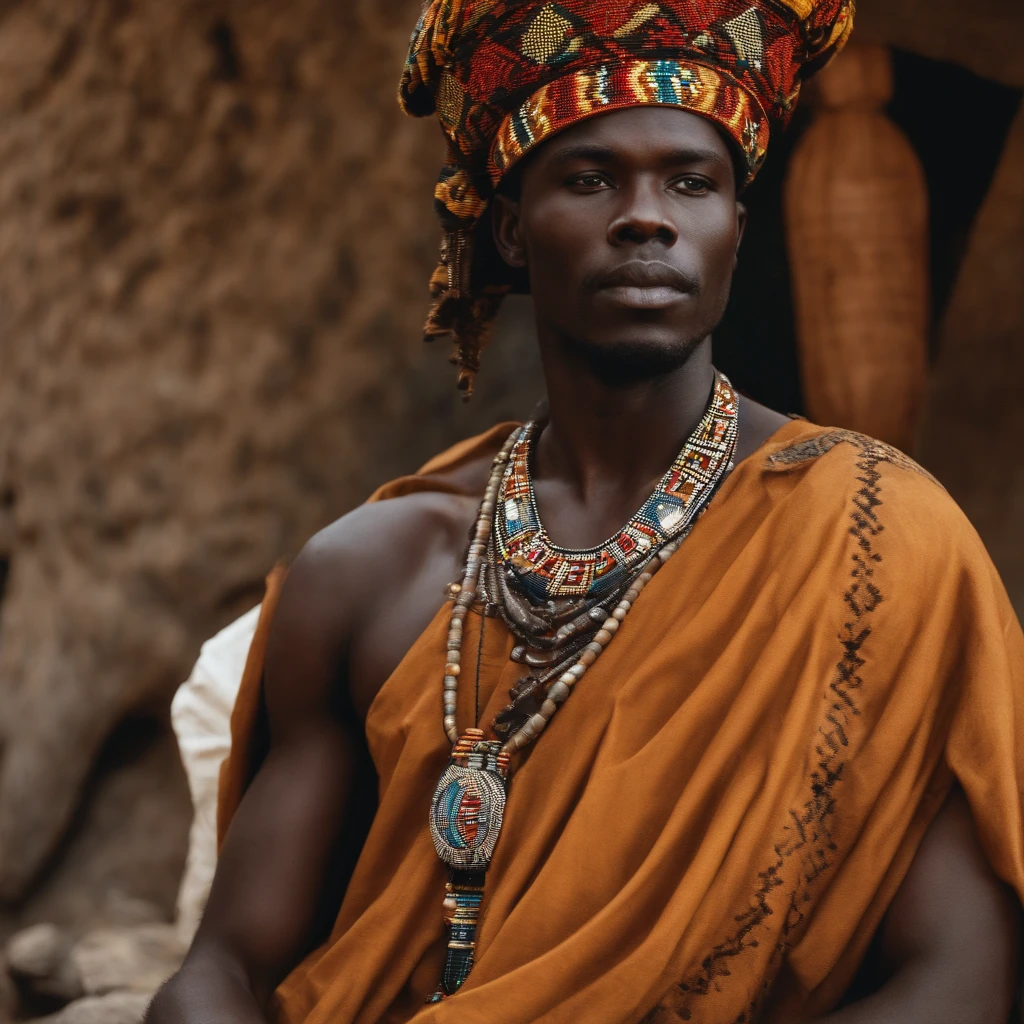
460 310
457 311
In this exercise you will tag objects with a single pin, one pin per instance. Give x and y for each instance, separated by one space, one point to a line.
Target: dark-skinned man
632 762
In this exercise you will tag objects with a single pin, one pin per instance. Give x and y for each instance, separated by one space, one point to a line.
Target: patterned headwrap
504 75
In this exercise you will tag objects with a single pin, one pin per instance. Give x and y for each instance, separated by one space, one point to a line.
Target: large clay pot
856 208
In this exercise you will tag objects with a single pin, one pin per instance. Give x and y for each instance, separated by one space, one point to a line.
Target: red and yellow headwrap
504 75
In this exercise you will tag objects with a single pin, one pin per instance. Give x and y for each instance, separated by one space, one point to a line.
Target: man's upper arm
271 873
948 944
955 919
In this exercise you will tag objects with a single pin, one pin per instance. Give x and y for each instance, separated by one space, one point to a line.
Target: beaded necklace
515 566
544 570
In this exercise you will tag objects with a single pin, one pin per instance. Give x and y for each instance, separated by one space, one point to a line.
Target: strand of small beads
559 691
466 812
465 592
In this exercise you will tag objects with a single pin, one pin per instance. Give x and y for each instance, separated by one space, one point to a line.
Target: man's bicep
267 892
949 939
271 874
954 923
304 672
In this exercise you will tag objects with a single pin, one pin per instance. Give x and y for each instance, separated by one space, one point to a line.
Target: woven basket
856 210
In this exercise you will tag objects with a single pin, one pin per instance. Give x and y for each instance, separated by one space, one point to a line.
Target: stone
136 959
117 1008
121 863
37 951
46 964
39 961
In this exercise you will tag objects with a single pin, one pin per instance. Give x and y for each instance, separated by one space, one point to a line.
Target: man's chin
634 357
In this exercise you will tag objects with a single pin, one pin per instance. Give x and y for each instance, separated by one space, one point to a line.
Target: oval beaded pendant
469 803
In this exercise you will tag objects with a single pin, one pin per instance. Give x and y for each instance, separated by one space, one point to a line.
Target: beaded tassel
465 822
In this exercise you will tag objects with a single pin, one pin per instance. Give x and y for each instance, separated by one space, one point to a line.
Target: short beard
626 363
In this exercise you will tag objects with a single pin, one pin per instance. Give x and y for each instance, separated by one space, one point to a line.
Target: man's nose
643 216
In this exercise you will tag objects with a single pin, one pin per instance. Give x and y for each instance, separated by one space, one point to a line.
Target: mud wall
215 234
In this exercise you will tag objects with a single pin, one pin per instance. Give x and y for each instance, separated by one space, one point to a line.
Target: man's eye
589 180
693 184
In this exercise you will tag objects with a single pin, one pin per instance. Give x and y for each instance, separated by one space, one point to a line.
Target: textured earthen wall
215 235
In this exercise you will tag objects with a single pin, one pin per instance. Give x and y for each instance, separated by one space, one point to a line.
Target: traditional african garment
504 76
713 827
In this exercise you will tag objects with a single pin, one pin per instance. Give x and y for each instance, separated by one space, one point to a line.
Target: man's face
628 226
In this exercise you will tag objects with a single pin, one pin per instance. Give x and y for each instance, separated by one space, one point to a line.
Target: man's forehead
648 130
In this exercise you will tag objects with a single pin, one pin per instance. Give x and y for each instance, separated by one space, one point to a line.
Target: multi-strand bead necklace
564 607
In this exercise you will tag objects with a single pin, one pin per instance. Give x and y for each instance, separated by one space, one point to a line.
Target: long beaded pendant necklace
563 606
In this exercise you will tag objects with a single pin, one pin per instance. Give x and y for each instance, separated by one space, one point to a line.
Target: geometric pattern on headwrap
502 76
673 83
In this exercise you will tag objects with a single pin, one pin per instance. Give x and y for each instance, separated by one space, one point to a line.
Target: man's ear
741 226
506 225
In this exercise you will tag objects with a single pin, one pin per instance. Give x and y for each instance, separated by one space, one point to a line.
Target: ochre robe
713 825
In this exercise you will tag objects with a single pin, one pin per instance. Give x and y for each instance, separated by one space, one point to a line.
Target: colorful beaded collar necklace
544 570
564 606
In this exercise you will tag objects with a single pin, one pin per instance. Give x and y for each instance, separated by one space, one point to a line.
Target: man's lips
643 284
644 296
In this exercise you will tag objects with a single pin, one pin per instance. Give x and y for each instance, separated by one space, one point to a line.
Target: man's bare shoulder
396 529
363 588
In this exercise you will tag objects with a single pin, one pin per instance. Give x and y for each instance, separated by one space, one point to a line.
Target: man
798 724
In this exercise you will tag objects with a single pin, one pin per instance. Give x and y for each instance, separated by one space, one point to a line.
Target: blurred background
215 238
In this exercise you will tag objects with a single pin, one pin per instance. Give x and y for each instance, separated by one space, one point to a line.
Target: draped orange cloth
714 824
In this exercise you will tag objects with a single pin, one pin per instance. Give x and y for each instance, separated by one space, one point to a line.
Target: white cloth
201 717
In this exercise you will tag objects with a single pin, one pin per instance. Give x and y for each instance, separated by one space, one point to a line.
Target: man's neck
605 445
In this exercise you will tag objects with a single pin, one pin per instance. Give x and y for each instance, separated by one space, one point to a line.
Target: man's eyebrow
605 154
585 151
694 155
